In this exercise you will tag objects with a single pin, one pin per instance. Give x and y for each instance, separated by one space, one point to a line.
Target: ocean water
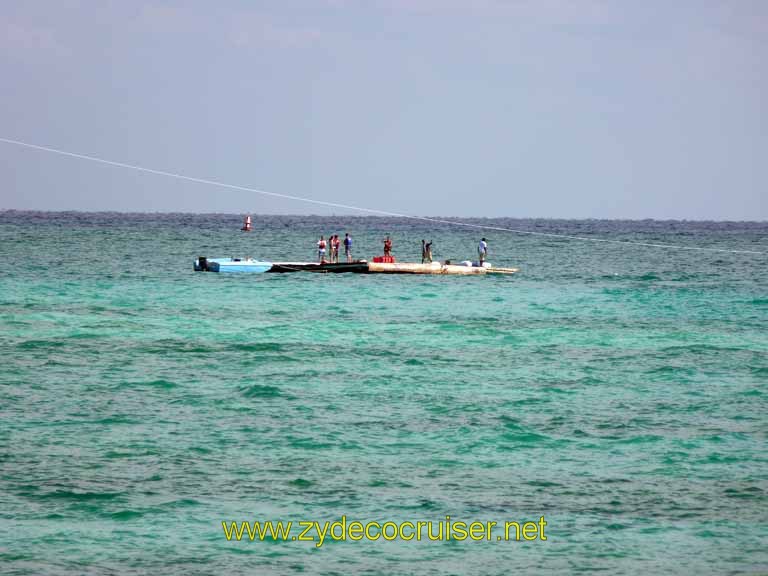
619 391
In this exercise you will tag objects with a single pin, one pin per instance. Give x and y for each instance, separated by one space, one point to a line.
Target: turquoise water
619 391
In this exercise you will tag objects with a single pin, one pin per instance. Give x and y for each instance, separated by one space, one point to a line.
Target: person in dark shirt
348 247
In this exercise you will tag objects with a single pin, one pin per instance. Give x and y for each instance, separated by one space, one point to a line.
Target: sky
497 108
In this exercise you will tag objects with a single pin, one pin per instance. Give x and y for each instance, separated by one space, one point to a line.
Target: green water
619 391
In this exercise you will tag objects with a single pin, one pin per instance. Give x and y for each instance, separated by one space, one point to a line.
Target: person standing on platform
482 250
321 244
348 247
423 250
387 246
428 250
336 246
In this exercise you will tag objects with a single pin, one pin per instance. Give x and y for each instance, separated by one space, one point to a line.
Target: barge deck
203 264
363 267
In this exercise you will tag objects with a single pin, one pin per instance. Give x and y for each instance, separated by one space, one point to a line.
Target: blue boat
203 264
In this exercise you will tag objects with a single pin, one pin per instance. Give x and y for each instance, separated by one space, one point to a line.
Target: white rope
369 210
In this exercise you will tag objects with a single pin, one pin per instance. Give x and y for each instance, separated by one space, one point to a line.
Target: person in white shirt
321 249
482 250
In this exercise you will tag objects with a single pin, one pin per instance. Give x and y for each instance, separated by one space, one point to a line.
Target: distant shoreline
11 211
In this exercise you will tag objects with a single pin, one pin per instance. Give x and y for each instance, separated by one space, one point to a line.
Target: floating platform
358 267
435 268
364 267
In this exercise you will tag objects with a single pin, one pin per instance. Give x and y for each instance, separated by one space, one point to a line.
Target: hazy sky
634 109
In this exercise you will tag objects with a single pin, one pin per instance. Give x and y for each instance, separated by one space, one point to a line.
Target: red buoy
247 224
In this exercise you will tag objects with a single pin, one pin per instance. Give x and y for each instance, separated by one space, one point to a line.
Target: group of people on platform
332 245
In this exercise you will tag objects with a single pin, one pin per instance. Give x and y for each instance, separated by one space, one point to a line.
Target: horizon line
379 216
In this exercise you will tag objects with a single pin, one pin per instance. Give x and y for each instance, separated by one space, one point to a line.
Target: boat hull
360 267
232 265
